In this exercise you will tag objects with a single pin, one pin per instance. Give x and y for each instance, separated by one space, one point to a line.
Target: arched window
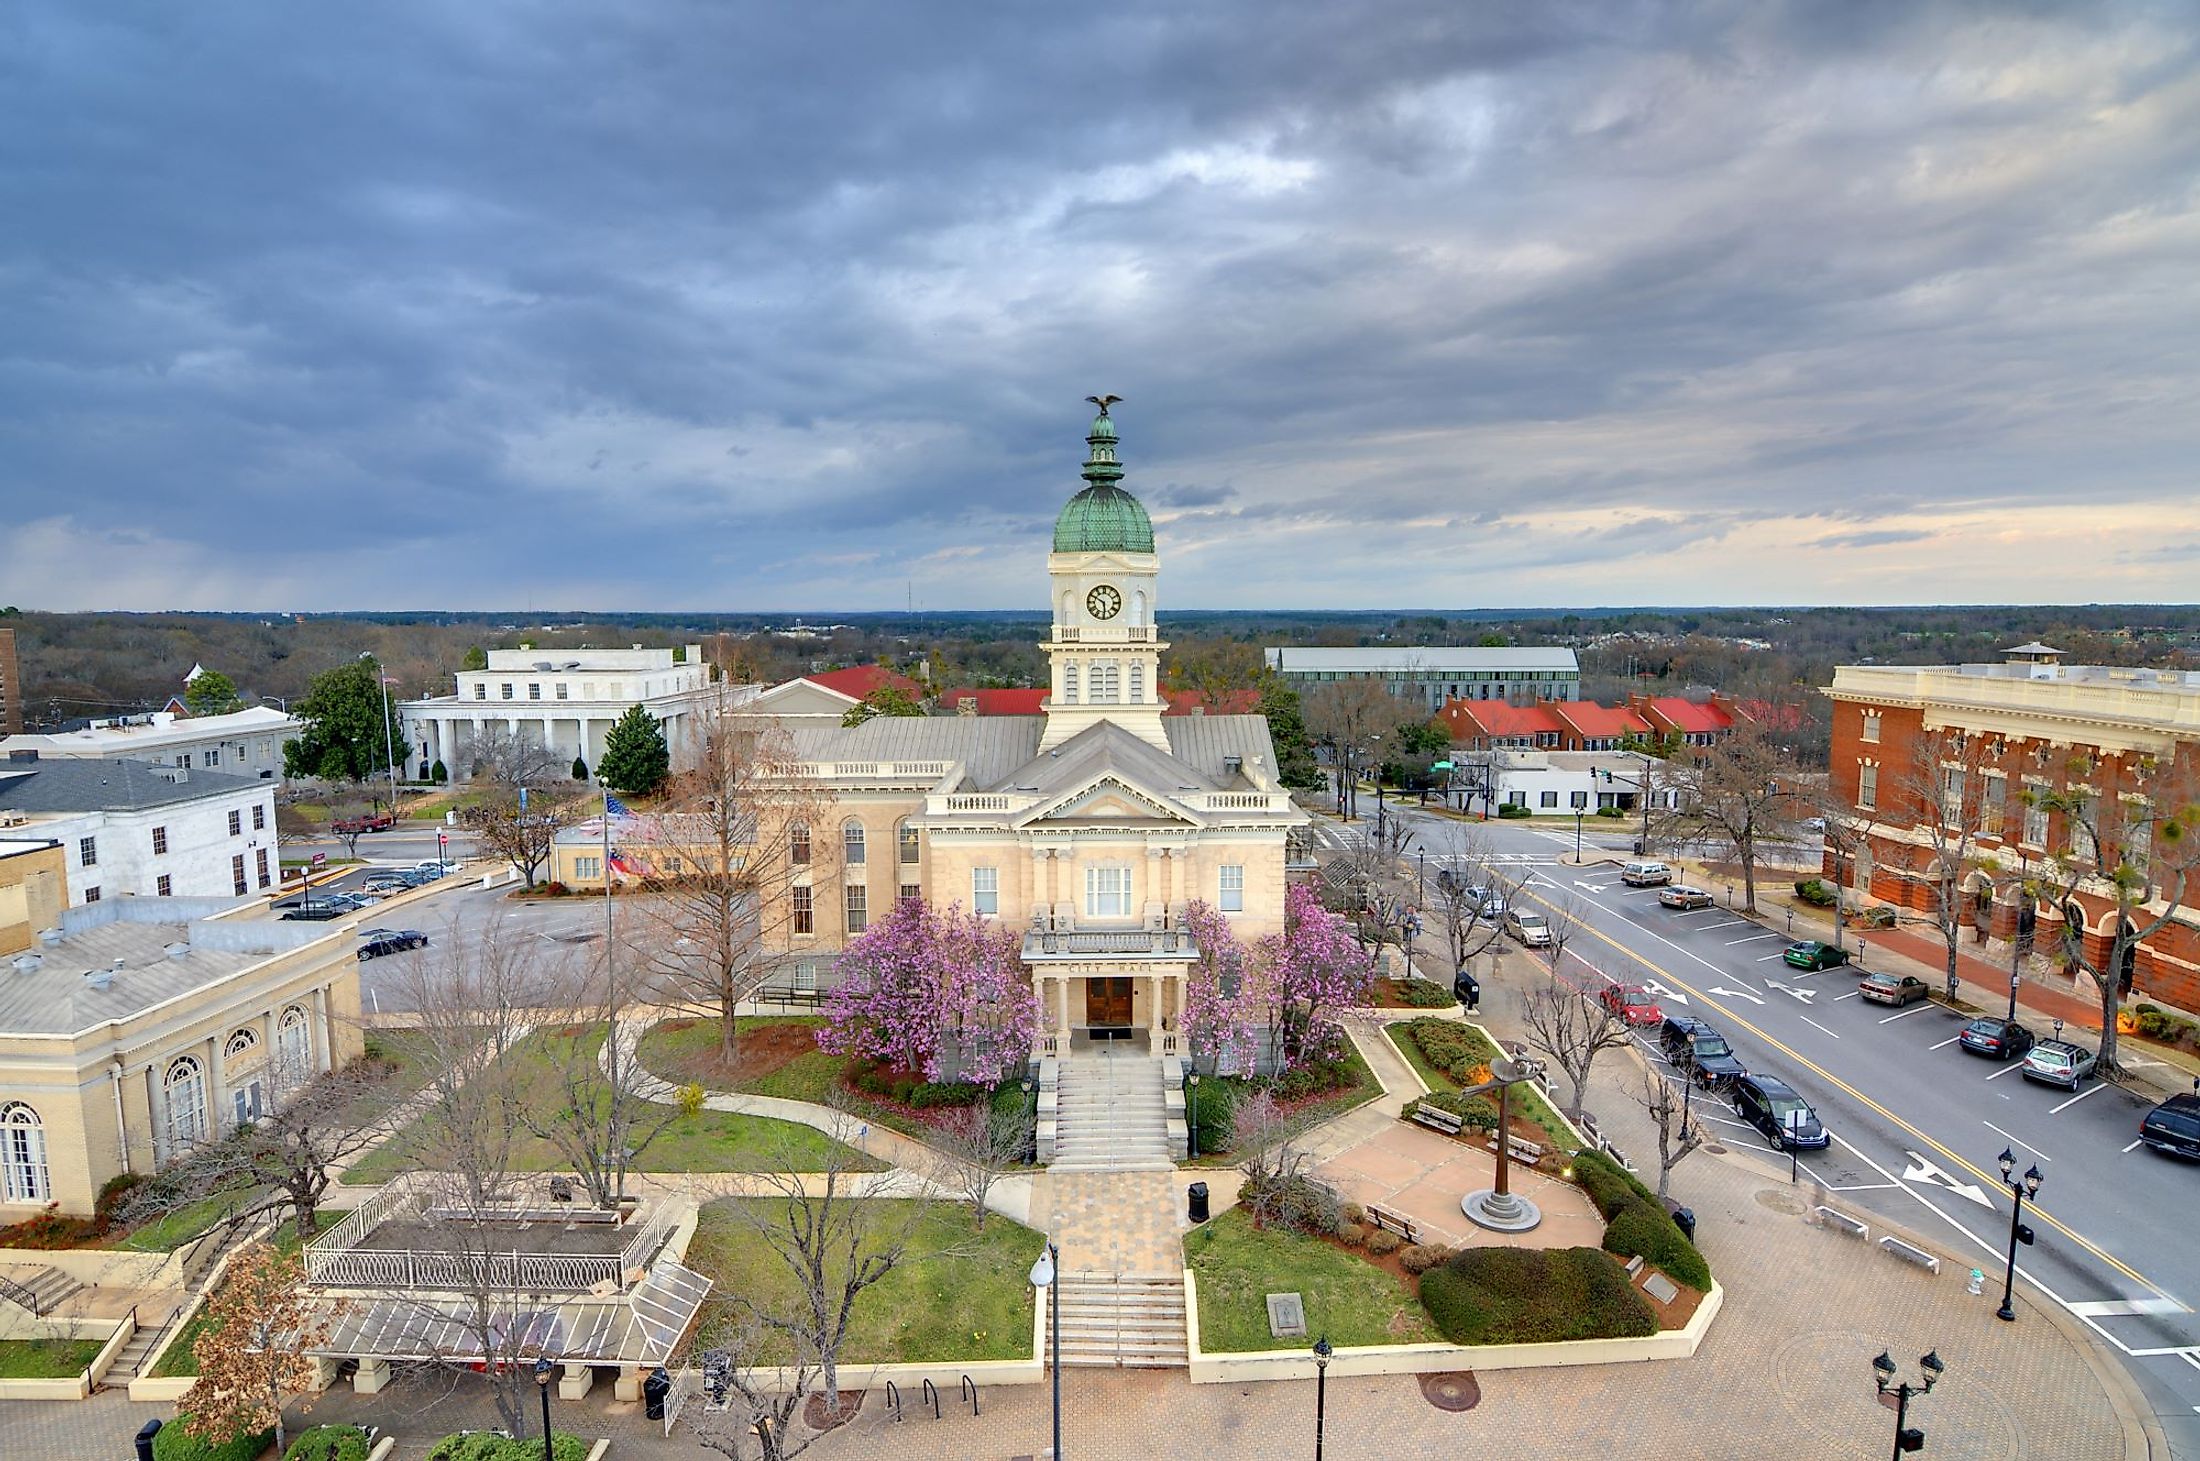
1138 607
241 1042
183 1091
905 836
23 1155
294 1043
1069 683
851 842
798 844
1138 684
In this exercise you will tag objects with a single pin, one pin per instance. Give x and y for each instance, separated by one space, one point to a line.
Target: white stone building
131 828
244 743
1555 783
1433 674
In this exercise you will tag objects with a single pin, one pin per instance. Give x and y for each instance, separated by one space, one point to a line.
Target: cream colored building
1090 828
135 1028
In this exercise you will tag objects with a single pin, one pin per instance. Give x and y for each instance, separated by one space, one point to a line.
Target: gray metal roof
1430 659
81 784
1204 742
1097 750
989 747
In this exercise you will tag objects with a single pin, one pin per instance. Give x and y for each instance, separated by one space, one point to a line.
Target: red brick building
1696 722
1923 747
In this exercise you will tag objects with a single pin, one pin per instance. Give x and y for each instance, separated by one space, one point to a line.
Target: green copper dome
1103 518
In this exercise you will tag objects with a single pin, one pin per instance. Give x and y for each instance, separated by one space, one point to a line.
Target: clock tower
1105 648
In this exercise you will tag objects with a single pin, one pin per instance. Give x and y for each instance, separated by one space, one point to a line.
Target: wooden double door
1108 1001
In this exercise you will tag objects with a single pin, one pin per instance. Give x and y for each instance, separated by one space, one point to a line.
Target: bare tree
2132 840
525 800
1271 1154
1352 718
1740 795
743 827
1941 796
975 1147
1566 923
1573 1027
1677 1136
1847 836
1464 888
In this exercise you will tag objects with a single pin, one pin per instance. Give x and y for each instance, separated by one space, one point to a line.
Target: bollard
1978 1283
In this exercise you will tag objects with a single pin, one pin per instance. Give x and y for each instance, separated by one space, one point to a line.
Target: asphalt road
1917 1123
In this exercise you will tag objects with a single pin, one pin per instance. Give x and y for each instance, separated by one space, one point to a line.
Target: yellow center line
1521 888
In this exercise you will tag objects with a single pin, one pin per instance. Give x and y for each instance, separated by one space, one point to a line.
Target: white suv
1646 875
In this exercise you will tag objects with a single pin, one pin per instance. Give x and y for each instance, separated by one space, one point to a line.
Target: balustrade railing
1076 943
337 1260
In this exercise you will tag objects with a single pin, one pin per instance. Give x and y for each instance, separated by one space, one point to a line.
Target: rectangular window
805 976
481 690
562 688
160 841
259 819
856 902
1138 684
2035 814
805 916
1230 891
911 893
1871 726
1107 683
912 844
1107 892
91 895
587 867
1548 799
236 824
1581 799
507 689
1867 786
236 876
1951 796
798 844
534 689
985 890
2082 823
260 868
2138 836
163 887
1990 804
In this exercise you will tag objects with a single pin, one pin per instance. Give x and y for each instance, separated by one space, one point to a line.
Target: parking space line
1949 1041
2135 1143
2020 1141
1850 995
1730 923
2074 1100
1902 1015
1768 958
1997 1075
1753 938
1816 1026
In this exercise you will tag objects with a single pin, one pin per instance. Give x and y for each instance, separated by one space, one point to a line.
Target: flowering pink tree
1315 966
1218 1025
921 990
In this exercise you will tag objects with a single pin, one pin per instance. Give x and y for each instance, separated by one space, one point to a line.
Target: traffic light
1910 1438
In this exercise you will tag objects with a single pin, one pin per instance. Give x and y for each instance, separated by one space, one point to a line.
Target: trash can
145 1436
1684 1218
1467 990
654 1391
1197 1192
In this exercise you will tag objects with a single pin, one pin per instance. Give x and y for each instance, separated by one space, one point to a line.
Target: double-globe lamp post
543 1371
2019 1189
1043 1274
1322 1351
1906 1437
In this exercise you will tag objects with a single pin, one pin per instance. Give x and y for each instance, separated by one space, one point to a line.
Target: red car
1631 1003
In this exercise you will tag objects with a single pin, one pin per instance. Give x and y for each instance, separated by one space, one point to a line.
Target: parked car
2174 1126
1811 954
1894 989
320 912
1646 875
1632 1003
1698 1051
2058 1063
1529 928
1814 824
392 941
1995 1036
1772 1106
384 883
433 869
351 901
1681 896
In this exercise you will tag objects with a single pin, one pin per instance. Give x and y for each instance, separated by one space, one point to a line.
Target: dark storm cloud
700 305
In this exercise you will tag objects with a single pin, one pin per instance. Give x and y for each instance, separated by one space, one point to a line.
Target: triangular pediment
1108 798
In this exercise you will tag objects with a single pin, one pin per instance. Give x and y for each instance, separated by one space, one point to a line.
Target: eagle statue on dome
1103 402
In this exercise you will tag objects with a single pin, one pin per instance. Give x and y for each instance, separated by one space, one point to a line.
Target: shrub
1609 1185
1383 1241
1533 1295
1642 1229
1210 1105
49 1229
1815 892
1451 1047
174 1443
1298 1202
580 769
1414 993
439 773
330 1443
1310 1078
489 1446
114 1193
1421 1257
927 1094
1613 812
1477 1113
1353 1235
1513 812
1354 1213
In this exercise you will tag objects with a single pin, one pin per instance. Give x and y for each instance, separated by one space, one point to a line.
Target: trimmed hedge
330 1443
489 1446
174 1443
1533 1296
1815 892
1636 1223
1513 812
1451 1047
1477 1112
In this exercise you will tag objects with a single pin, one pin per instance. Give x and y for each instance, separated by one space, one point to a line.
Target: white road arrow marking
1805 995
1656 988
1736 994
1921 1170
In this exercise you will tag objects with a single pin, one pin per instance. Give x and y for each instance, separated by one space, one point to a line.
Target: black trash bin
654 1391
1197 1192
1467 990
1684 1218
145 1436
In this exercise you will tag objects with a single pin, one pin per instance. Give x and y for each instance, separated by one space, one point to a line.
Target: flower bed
1448 1055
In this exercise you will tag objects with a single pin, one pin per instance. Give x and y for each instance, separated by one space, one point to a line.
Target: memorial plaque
1659 1287
1286 1316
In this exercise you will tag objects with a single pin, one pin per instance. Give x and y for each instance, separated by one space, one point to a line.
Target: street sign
319 858
1439 766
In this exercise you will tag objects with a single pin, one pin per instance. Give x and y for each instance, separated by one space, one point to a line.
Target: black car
1772 1106
1698 1051
382 941
318 912
1995 1036
2174 1126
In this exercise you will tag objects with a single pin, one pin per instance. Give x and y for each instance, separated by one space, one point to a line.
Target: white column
1061 1008
217 1087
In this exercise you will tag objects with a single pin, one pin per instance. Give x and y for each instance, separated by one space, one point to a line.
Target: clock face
1103 602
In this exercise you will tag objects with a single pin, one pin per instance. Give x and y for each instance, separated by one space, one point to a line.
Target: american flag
614 808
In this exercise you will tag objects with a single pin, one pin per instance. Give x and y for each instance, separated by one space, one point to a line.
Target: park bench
1436 1118
1910 1253
1521 1151
1391 1222
1854 1227
788 998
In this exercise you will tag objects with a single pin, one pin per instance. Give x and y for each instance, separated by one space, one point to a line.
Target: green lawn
178 1362
46 1359
1525 1101
173 1229
710 1141
973 1303
1347 1298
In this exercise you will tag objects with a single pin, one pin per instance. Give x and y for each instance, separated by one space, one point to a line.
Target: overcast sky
746 306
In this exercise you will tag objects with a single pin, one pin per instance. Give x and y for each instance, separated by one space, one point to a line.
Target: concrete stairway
130 1359
1130 1320
38 1290
1110 1114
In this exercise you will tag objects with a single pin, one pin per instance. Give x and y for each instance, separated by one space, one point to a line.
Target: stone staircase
37 1290
1111 1114
130 1359
1130 1320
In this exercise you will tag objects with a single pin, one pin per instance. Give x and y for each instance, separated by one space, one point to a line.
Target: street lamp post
543 1370
1577 837
389 730
1043 1276
1191 1111
2019 1189
1322 1352
1906 1437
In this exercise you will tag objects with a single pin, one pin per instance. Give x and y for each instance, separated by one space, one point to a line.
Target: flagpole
611 1012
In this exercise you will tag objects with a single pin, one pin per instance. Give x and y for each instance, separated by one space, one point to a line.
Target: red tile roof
1497 719
860 680
1689 717
997 702
1244 701
1592 721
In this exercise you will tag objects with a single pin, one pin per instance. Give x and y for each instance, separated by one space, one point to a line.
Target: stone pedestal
1500 1212
324 1373
574 1380
371 1377
629 1384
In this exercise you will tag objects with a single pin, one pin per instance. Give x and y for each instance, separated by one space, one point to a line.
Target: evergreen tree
347 737
477 658
580 769
885 700
635 758
1295 766
211 692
